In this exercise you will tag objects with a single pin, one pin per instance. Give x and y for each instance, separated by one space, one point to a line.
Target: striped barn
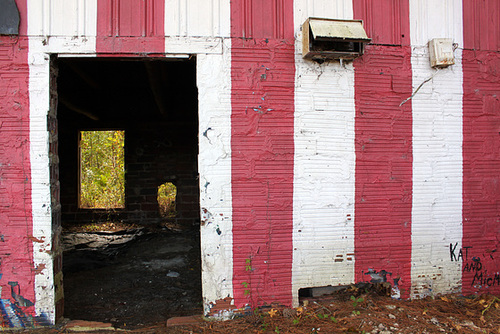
311 173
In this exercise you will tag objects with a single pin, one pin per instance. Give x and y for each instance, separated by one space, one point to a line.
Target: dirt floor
131 276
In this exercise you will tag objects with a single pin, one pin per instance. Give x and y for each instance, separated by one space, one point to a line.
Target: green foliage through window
102 169
167 193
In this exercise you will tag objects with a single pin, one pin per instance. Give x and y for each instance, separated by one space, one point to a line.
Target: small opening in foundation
319 291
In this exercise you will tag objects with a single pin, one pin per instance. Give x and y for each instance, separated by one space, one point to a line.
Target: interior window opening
102 169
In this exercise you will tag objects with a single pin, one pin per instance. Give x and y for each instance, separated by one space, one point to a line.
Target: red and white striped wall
378 185
310 174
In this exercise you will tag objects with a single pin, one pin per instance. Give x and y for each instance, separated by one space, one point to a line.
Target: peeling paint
38 270
39 240
223 309
377 276
213 81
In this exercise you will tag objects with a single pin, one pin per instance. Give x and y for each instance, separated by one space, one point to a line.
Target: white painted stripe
60 26
334 9
435 19
39 95
62 18
49 17
85 46
437 151
187 18
196 28
324 161
214 161
193 45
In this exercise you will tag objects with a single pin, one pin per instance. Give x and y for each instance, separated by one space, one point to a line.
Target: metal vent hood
333 39
324 29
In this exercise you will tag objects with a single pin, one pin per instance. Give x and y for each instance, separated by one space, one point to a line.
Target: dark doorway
131 264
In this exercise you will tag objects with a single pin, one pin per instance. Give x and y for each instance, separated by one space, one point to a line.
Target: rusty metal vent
333 39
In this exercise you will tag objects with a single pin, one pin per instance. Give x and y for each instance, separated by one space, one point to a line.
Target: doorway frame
213 79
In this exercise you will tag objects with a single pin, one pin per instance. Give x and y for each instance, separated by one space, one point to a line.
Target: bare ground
339 314
138 290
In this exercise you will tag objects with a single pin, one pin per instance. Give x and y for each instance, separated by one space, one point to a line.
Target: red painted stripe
130 26
482 21
481 150
263 76
16 246
383 132
386 30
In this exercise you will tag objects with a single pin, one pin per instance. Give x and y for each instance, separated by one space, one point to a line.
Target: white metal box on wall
441 52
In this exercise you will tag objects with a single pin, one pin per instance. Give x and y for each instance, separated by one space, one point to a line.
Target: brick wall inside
57 248
161 145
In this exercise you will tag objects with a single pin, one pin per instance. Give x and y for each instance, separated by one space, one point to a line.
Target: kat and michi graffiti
474 265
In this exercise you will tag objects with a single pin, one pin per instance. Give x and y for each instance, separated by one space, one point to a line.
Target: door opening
131 243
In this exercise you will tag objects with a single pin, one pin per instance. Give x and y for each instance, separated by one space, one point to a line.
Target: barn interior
132 264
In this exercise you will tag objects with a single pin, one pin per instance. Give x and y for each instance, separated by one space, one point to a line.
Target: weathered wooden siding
129 18
197 18
125 26
442 19
385 21
62 18
481 19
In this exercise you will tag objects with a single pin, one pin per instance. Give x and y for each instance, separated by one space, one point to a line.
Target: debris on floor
132 278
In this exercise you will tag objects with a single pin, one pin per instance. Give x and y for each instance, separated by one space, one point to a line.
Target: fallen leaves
272 312
450 314
487 305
